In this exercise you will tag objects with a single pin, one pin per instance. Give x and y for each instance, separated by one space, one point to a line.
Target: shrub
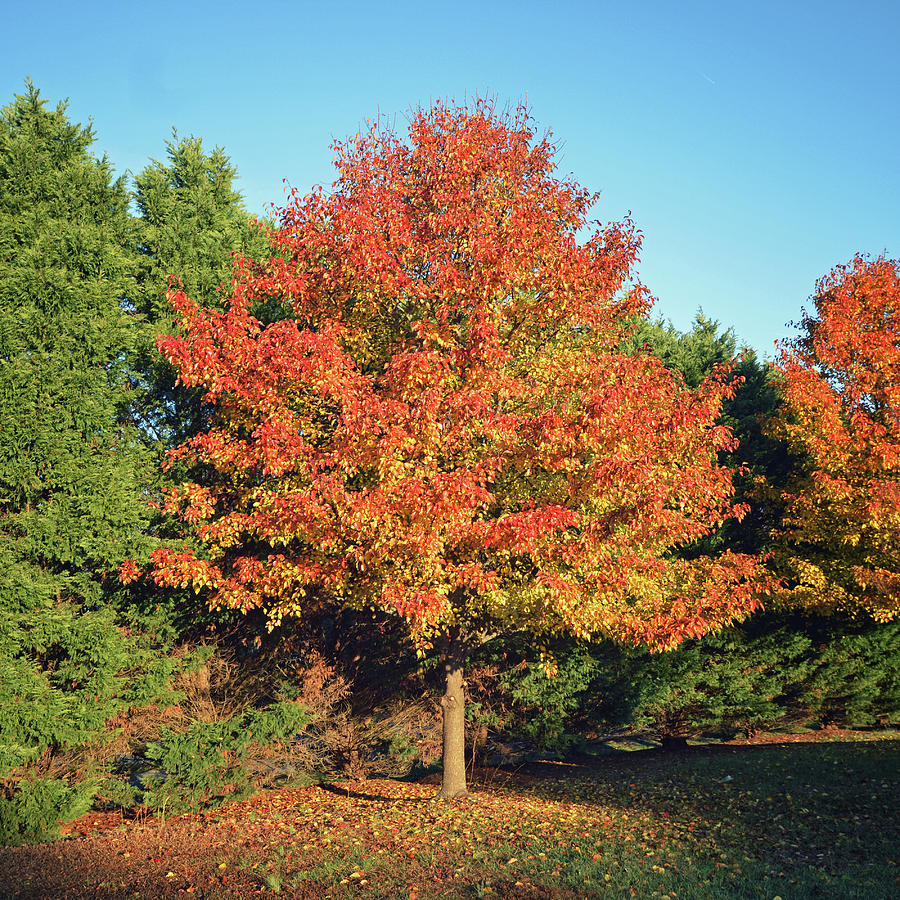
34 807
727 680
207 764
855 677
546 694
770 669
516 692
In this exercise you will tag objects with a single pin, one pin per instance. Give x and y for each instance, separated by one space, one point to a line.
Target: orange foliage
840 545
419 404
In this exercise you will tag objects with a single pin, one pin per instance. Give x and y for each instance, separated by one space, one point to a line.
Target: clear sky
756 144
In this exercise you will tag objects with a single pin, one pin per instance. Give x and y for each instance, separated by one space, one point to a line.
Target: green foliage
695 355
727 680
68 669
37 806
116 793
518 692
65 673
191 222
768 670
207 764
855 679
72 469
545 701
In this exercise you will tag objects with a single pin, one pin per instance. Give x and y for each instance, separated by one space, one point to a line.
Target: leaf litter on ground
794 820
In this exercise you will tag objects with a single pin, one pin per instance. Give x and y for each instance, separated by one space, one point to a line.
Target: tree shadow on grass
375 798
792 806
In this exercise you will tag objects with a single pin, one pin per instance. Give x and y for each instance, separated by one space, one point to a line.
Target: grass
791 821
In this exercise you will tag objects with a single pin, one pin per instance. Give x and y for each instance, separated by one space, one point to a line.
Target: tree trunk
453 703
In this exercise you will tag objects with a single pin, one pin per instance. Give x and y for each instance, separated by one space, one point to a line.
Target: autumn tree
839 547
441 424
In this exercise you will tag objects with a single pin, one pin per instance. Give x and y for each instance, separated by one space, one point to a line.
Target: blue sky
756 144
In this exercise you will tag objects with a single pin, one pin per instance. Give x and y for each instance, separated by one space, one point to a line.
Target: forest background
118 693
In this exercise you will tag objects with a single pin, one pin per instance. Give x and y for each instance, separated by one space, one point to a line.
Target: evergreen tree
693 353
72 468
191 222
758 458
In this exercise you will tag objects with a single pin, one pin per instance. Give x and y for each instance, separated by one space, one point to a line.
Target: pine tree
71 465
70 468
191 222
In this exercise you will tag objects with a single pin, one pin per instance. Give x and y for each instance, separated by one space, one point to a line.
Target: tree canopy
72 468
840 539
191 219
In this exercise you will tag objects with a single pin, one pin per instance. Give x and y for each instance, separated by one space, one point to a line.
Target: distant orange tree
839 545
418 405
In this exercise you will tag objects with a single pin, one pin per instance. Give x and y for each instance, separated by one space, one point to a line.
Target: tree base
461 794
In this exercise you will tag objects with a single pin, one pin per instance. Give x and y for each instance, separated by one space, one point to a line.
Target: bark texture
453 783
